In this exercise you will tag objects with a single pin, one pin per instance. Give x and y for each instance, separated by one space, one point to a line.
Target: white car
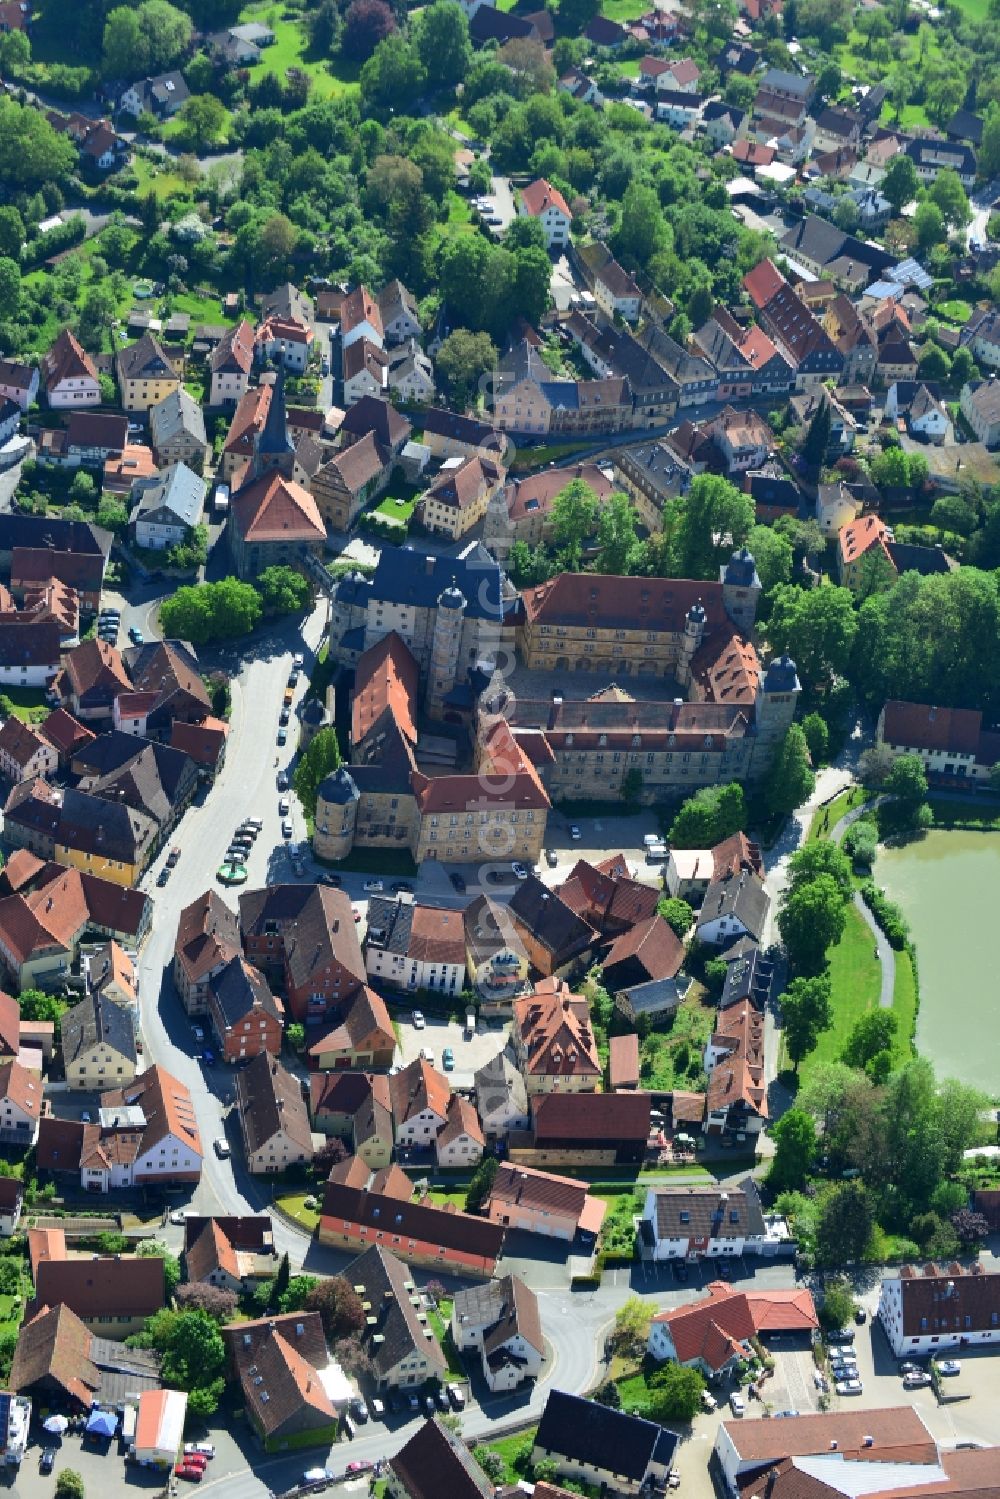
374 887
737 1404
418 1020
949 1367
848 1387
284 807
427 1053
199 1449
180 1215
916 1381
520 871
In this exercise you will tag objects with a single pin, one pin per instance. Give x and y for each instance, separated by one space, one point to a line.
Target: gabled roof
54 1345
540 195
591 1118
97 1021
717 1328
145 360
207 936
921 726
66 360
708 1212
653 944
435 1462
417 1087
554 1029
386 680
602 1438
116 1286
272 508
270 1102
394 1330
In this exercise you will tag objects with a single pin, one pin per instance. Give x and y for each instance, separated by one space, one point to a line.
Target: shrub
888 915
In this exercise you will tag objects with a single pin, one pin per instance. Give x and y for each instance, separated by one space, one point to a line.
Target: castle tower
694 634
740 589
336 815
774 709
446 648
312 718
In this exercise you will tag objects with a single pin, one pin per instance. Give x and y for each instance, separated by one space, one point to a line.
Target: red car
360 1465
190 1471
196 1460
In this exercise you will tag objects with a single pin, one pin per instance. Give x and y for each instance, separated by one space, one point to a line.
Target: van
470 1024
221 499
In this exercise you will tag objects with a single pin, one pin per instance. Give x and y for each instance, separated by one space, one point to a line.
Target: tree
861 843
12 232
574 515
443 43
794 1137
492 1462
838 1306
971 1228
283 590
900 182
32 153
211 611
811 920
631 1329
83 489
817 737
125 52
203 119
617 537
805 1014
870 1044
677 914
675 1393
36 1005
463 359
576 15
947 192
989 149
907 780
320 759
608 1394
10 287
711 815
643 231
152 1248
195 1355
963 368
816 627
200 1296
773 555
339 1306
790 780
15 52
366 23
928 223
713 518
952 513
844 1225
817 438
392 77
821 857
481 1183
69 1484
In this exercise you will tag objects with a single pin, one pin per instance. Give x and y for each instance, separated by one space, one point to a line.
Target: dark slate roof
387 1287
435 1462
965 126
554 924
407 576
32 531
238 988
97 1020
916 559
708 1212
607 1439
742 896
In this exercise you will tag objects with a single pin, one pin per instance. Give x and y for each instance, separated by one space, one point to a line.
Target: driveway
439 1033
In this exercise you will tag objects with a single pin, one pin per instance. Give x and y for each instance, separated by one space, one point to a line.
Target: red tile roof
763 282
923 726
540 195
387 679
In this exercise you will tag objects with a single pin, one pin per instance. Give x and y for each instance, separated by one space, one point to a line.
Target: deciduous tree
805 1014
811 920
794 1137
320 758
790 781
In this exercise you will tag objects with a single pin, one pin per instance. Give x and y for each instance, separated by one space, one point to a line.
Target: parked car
575 833
329 878
401 887
47 1460
179 1215
848 1387
359 1411
190 1471
737 1404
427 1054
284 806
202 1449
551 858
908 1367
282 736
284 715
377 1409
359 1464
286 829
173 856
520 871
208 1056
197 1460
418 1020
163 877
708 1401
783 1415
448 1059
918 1380
222 1149
283 780
413 1403
457 1397
441 1398
374 887
860 1316
840 1335
136 636
314 1476
298 661
948 1368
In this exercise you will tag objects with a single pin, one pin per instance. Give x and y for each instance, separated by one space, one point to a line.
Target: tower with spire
446 648
694 634
273 449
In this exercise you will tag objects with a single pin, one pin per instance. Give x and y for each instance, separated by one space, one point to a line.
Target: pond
945 883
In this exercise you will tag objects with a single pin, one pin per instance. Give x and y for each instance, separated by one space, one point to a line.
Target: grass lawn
391 861
904 998
631 68
164 182
440 1320
672 1058
856 978
545 453
290 51
11 1312
440 1198
828 817
976 10
913 117
955 310
624 10
395 507
29 703
509 1448
292 1204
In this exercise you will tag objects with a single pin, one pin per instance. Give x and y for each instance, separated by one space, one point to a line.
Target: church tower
446 648
273 449
740 589
774 710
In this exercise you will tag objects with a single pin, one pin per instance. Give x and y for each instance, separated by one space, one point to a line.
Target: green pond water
946 884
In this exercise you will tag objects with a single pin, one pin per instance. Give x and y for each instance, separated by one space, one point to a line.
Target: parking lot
439 1033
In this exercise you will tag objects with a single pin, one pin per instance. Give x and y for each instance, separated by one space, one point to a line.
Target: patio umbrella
102 1423
56 1424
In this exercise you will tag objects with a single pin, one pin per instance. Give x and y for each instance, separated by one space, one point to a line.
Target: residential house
677 109
722 123
648 952
69 374
435 1461
42 924
235 1254
449 1241
584 1129
304 938
743 438
537 1202
924 412
355 1107
350 480
450 435
177 428
145 374
420 1096
614 353
980 403
98 1044
461 1142
500 1321
869 543
398 313
11 1201
361 318
554 1042
19 382
168 507
597 1445
161 96
89 440
952 742
540 200
20 1105
246 1017
410 944
733 907
273 1116
929 1309
495 958
25 752
523 510
378 417
231 363
753 1456
501 1097
692 1222
458 498
284 341
736 1097
114 1295
360 1034
556 940
145 1133
293 1395
410 373
616 293
397 1336
715 1334
931 155
581 87
366 370
981 335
